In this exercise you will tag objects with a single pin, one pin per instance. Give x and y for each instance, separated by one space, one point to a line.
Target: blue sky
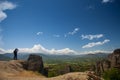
77 25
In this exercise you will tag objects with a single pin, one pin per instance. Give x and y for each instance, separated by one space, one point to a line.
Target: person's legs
15 56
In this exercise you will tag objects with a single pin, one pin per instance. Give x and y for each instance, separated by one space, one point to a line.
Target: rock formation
34 63
113 61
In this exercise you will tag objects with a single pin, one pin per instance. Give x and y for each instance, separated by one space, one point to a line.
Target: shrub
112 74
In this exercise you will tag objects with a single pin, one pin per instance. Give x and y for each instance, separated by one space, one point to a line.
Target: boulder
35 63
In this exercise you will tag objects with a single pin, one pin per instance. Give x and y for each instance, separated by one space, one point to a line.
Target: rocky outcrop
34 63
114 58
113 61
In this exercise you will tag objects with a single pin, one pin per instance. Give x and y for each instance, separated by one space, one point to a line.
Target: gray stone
35 63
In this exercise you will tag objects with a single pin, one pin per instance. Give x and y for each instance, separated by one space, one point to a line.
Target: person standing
15 54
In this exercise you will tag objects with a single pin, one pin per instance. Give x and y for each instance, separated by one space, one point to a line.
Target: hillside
60 67
13 70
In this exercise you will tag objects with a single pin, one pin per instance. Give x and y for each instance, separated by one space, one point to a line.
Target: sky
59 26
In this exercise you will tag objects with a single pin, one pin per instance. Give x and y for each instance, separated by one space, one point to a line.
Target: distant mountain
22 56
47 57
4 58
97 55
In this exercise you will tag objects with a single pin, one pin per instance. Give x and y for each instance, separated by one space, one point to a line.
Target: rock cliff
112 61
34 63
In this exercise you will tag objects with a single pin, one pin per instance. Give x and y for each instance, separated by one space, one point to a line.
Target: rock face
113 61
34 63
115 58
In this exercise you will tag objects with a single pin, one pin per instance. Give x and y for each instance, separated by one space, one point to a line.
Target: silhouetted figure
15 54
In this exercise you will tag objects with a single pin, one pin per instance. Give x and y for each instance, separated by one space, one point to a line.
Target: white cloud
62 51
107 1
72 33
89 45
2 16
2 51
39 33
40 49
96 51
5 6
56 36
91 37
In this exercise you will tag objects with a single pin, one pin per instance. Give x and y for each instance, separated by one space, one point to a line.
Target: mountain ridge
24 56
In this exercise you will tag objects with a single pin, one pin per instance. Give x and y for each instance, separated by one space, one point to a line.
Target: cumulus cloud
72 33
39 33
2 51
66 51
56 36
62 51
5 6
40 49
107 1
91 37
92 44
96 51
